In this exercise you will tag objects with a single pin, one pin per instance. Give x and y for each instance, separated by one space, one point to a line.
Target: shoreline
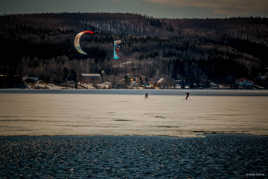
192 134
198 136
193 92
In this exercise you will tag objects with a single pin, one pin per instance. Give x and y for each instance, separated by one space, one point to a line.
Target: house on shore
91 78
30 79
244 83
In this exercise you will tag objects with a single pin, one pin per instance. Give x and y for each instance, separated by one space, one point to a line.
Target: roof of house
90 75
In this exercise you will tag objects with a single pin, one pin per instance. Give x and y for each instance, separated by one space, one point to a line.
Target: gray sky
157 8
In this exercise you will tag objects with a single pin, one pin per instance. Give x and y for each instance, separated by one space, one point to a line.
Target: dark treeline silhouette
194 50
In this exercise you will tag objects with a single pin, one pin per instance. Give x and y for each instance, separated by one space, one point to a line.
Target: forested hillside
195 51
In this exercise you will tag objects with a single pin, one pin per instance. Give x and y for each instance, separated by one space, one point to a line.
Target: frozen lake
34 112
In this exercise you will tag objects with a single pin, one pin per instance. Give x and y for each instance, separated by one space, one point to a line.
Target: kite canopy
116 49
77 41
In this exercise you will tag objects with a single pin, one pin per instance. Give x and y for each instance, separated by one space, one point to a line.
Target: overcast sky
157 8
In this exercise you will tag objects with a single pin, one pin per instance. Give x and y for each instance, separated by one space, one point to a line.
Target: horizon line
131 13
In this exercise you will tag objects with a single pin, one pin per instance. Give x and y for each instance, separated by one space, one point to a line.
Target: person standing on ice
187 96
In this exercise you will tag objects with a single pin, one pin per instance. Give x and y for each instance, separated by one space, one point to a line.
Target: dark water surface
215 156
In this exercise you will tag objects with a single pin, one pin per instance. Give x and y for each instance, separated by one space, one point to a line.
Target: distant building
3 75
30 79
263 77
104 85
244 83
179 84
161 80
187 87
148 86
91 78
213 85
